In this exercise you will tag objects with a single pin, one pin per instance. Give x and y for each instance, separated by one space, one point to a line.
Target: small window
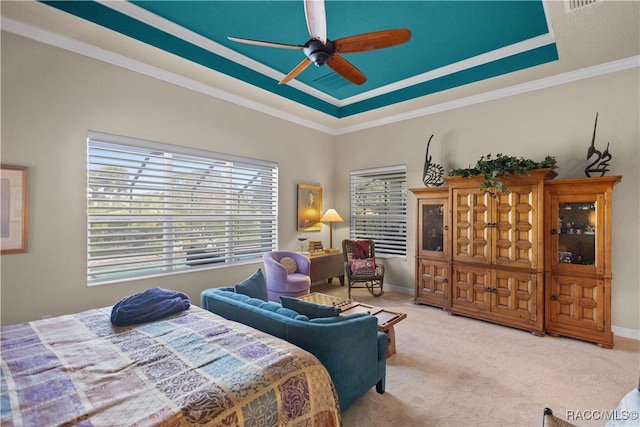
379 209
156 209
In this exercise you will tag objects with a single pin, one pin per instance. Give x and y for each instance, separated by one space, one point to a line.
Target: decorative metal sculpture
432 174
601 163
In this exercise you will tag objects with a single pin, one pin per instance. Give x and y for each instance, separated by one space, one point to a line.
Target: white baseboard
634 334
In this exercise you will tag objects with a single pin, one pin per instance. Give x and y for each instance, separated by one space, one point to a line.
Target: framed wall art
309 207
13 209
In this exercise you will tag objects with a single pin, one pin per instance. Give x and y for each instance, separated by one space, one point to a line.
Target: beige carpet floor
456 371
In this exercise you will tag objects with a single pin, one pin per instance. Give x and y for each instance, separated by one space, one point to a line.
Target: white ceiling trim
103 55
169 27
572 76
477 60
122 61
465 64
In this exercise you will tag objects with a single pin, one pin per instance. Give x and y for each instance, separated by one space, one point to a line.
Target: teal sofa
350 346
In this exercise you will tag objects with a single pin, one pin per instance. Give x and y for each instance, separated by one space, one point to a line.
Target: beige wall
51 98
555 121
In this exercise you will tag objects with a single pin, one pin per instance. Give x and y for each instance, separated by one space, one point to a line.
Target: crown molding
118 60
81 48
547 82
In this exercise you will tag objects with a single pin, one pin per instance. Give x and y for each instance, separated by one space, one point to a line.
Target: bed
192 368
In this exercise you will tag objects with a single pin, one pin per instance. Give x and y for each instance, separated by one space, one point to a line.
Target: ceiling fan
320 50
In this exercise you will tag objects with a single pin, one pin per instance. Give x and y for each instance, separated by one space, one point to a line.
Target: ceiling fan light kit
319 53
320 50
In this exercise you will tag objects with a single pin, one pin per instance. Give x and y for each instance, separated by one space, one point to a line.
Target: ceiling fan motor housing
317 52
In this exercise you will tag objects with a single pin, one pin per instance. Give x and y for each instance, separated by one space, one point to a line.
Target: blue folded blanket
152 304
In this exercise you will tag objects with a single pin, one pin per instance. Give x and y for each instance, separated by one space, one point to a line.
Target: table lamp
331 216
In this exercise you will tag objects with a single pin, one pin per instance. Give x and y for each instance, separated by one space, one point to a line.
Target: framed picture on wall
309 207
13 209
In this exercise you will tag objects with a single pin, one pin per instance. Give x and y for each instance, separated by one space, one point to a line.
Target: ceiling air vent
573 5
332 81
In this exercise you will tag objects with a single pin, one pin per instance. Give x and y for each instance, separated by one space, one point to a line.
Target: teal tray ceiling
453 43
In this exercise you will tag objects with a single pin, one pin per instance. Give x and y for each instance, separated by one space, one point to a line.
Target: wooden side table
325 266
386 318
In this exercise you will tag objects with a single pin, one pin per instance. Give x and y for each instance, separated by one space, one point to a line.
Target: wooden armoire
506 259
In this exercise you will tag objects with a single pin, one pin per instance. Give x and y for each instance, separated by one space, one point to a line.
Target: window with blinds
379 209
157 209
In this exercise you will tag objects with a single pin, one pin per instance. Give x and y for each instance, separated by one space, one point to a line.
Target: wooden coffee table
386 318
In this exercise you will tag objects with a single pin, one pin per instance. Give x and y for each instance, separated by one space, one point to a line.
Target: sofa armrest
353 351
383 345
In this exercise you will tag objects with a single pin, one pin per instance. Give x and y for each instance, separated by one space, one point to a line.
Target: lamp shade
331 216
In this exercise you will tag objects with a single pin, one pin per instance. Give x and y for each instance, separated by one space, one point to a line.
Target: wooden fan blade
346 69
316 19
372 41
294 73
267 44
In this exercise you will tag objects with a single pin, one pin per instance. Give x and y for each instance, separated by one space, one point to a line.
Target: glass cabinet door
578 231
433 228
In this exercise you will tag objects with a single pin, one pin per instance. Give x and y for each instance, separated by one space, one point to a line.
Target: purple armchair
286 273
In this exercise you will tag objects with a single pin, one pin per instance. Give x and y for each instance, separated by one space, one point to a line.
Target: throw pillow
362 266
309 309
290 264
254 287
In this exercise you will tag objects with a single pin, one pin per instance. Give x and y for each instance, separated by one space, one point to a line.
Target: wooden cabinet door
471 225
503 232
515 295
576 239
433 285
574 303
517 225
433 228
471 287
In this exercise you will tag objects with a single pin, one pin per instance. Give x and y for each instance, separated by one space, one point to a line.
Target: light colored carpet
456 371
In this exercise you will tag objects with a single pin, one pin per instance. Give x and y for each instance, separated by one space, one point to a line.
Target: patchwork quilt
193 368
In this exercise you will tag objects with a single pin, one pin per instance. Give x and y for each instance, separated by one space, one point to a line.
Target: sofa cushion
292 314
290 264
254 287
309 309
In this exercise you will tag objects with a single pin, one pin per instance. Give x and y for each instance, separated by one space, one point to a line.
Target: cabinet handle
445 228
553 298
554 231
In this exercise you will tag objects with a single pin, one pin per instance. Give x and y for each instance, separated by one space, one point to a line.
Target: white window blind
156 209
379 209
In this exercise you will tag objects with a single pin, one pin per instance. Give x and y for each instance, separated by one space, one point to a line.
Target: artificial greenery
491 168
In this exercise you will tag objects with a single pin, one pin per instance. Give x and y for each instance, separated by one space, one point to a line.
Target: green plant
492 168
